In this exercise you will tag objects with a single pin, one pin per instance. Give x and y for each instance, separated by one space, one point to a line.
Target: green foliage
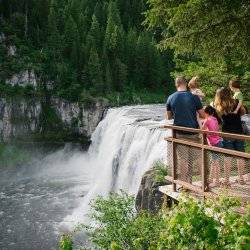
209 38
49 119
248 147
66 243
94 67
118 225
160 170
80 46
7 90
52 130
133 96
189 225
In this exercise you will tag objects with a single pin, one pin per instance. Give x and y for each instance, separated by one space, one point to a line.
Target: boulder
149 197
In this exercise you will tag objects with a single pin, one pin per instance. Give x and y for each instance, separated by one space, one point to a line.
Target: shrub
66 243
189 225
161 170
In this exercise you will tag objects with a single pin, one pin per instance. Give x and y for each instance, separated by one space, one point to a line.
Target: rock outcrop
149 197
22 117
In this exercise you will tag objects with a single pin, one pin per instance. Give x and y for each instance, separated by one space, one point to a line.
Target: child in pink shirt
212 123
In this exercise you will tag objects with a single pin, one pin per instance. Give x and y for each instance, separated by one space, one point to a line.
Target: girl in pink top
212 123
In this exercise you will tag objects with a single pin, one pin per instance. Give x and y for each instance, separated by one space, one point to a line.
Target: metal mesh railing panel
229 174
189 164
169 158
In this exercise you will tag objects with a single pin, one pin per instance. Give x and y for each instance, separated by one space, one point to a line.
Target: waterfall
124 146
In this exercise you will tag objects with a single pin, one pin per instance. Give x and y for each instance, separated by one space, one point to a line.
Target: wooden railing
203 148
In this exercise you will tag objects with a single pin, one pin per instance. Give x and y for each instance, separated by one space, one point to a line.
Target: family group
224 113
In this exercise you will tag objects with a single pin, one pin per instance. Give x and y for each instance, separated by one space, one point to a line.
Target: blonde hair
194 82
224 102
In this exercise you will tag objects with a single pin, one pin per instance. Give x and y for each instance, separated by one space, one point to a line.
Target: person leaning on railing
183 106
225 105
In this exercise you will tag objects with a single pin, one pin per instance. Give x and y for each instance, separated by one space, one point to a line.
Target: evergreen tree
95 72
114 32
113 13
130 56
54 36
108 78
83 27
120 75
72 39
99 12
94 35
75 9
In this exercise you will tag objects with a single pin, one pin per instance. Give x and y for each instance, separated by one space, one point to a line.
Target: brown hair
180 80
194 82
224 102
234 84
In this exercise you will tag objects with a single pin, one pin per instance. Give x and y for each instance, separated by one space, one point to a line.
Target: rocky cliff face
23 117
149 197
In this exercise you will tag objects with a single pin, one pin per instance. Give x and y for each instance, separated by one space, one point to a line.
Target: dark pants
237 145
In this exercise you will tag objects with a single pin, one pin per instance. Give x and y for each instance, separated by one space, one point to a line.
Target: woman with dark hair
231 123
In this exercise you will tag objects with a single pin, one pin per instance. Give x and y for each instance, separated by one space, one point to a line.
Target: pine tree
72 38
114 31
130 56
94 35
99 12
54 37
108 78
95 72
75 9
120 74
140 62
83 27
113 13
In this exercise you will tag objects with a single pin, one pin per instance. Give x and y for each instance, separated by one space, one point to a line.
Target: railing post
204 169
174 160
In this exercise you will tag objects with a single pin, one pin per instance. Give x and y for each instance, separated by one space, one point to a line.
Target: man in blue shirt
183 106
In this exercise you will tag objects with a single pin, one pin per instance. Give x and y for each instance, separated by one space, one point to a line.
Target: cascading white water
124 145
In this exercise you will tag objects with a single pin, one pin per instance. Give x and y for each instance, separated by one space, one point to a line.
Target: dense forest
209 38
125 50
81 48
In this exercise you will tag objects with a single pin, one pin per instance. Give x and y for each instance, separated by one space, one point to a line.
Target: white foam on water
123 148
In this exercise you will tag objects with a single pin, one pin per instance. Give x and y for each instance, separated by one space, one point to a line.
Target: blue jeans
215 156
237 145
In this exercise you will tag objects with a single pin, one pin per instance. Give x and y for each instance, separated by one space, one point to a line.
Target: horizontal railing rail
201 131
208 147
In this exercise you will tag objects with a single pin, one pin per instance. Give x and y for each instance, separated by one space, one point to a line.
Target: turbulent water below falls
41 200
